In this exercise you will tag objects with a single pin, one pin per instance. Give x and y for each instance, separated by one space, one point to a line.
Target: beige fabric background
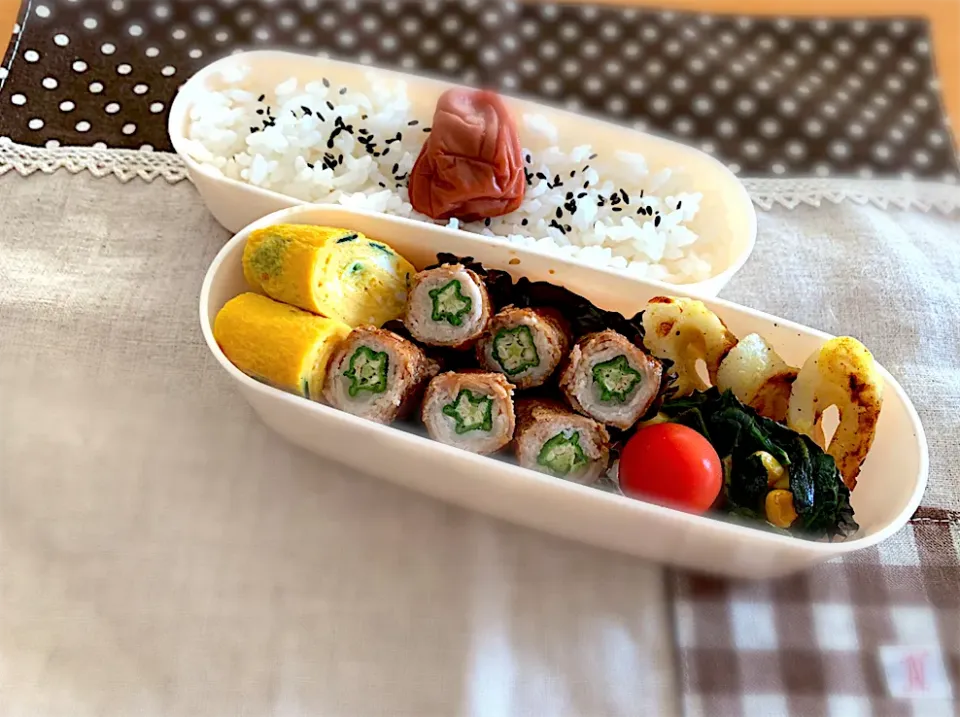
162 553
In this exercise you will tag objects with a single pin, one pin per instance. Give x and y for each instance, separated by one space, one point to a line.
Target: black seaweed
737 432
584 317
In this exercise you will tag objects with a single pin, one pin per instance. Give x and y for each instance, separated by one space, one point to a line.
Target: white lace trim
126 164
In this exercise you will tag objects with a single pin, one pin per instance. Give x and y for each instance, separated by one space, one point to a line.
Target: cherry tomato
672 465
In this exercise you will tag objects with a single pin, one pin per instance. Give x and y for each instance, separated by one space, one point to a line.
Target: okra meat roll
278 344
447 306
377 375
553 439
610 380
525 344
332 272
473 411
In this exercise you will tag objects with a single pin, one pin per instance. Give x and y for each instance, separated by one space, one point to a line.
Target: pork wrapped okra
278 344
473 411
447 306
525 344
377 375
610 379
552 439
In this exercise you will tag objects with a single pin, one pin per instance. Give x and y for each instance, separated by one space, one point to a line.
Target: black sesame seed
585 168
260 112
486 222
581 195
385 152
641 194
340 159
569 195
395 169
593 156
383 185
573 173
363 117
679 203
556 181
330 106
310 164
617 209
541 175
529 158
343 90
656 222
426 129
626 197
524 222
413 123
559 213
261 98
640 210
306 110
586 184
326 82
614 199
254 129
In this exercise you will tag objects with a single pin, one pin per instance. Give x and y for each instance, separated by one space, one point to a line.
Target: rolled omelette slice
283 346
333 272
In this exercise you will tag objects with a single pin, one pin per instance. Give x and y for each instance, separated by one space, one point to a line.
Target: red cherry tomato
672 465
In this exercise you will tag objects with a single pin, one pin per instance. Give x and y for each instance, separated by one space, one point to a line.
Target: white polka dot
921 158
49 83
855 82
880 100
843 46
683 126
390 42
734 167
610 31
769 127
636 84
489 56
96 87
42 11
868 65
908 66
859 27
935 138
822 170
829 109
3 73
721 84
728 38
894 84
922 47
19 99
702 105
654 68
178 34
112 108
51 144
789 60
168 71
697 65
762 86
549 50
659 104
61 39
82 126
908 119
805 44
549 11
151 52
204 16
788 106
650 33
588 12
679 84
778 168
129 128
593 85
195 53
263 34
223 35
408 62
752 148
161 11
746 105
589 49
108 48
744 23
829 63
907 174
124 69
708 146
573 104
726 128
673 47
140 89
451 25
529 29
31 55
99 145
117 5
881 151
865 173
450 61
529 66
616 105
470 39
430 44
508 81
570 66
839 149
869 114
796 149
146 147
156 107
35 124
90 23
67 106
813 127
689 32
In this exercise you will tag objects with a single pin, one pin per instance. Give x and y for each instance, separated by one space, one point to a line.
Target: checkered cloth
876 633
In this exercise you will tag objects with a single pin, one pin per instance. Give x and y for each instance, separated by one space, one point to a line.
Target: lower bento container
889 488
726 213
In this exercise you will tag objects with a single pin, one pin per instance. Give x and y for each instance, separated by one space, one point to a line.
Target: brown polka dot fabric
772 96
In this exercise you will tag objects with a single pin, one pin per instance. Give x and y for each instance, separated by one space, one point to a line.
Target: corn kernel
779 509
775 471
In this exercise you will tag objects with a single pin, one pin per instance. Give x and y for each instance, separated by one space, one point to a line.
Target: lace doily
126 164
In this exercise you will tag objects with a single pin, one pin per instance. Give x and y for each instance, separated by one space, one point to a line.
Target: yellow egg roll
278 344
332 272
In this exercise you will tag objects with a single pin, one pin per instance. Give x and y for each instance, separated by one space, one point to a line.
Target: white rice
279 158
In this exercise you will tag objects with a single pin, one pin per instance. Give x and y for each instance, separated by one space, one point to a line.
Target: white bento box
726 212
889 489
